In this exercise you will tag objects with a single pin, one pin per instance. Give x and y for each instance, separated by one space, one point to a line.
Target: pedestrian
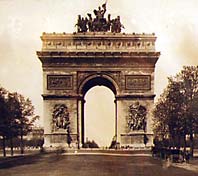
187 156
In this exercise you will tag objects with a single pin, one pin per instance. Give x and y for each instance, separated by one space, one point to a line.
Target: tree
174 103
161 129
13 113
3 118
176 112
188 78
16 117
26 118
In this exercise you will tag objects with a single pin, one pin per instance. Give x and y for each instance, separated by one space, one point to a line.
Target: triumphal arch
98 54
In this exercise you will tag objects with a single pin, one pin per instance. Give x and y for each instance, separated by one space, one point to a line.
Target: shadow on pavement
9 162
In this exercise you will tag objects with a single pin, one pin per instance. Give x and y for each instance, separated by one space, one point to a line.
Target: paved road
88 165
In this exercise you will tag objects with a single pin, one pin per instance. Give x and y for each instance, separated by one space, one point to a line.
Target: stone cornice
98 41
91 54
53 96
135 96
98 47
105 58
95 35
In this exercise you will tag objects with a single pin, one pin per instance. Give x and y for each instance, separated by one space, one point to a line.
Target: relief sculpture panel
59 82
60 117
137 117
137 82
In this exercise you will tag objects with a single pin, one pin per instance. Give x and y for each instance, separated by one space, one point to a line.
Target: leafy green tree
160 112
3 118
176 112
16 117
13 113
188 79
8 117
26 118
174 102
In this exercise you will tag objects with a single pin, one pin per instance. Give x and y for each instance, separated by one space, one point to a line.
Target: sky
174 22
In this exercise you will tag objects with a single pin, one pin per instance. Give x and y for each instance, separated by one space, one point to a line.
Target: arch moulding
100 79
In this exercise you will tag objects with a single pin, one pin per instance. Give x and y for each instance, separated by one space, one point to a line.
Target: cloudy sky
175 23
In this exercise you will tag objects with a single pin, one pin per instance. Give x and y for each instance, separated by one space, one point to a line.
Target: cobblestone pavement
90 165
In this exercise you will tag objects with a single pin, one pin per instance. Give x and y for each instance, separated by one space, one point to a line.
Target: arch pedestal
74 63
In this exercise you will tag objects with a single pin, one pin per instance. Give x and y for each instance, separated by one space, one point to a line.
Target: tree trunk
4 147
173 141
191 145
21 142
11 146
179 142
184 154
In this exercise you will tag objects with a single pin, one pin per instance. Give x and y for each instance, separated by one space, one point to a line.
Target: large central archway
99 117
90 82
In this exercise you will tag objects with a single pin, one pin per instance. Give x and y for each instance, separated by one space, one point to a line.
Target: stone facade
74 63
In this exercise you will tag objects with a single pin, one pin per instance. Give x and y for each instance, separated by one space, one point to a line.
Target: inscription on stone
138 82
59 82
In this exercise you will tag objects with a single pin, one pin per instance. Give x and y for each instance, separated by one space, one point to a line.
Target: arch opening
98 81
98 110
99 116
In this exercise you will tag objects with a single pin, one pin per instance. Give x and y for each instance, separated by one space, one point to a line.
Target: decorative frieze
92 41
59 82
64 45
138 82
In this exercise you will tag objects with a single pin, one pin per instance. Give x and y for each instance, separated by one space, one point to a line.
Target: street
89 165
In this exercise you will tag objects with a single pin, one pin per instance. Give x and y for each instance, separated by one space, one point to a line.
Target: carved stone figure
100 12
60 117
109 22
137 117
81 24
116 25
99 23
78 24
90 23
84 25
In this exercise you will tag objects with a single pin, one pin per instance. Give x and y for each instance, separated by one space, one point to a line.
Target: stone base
56 140
135 140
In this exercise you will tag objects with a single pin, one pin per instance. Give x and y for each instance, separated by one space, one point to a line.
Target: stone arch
90 81
74 63
98 79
